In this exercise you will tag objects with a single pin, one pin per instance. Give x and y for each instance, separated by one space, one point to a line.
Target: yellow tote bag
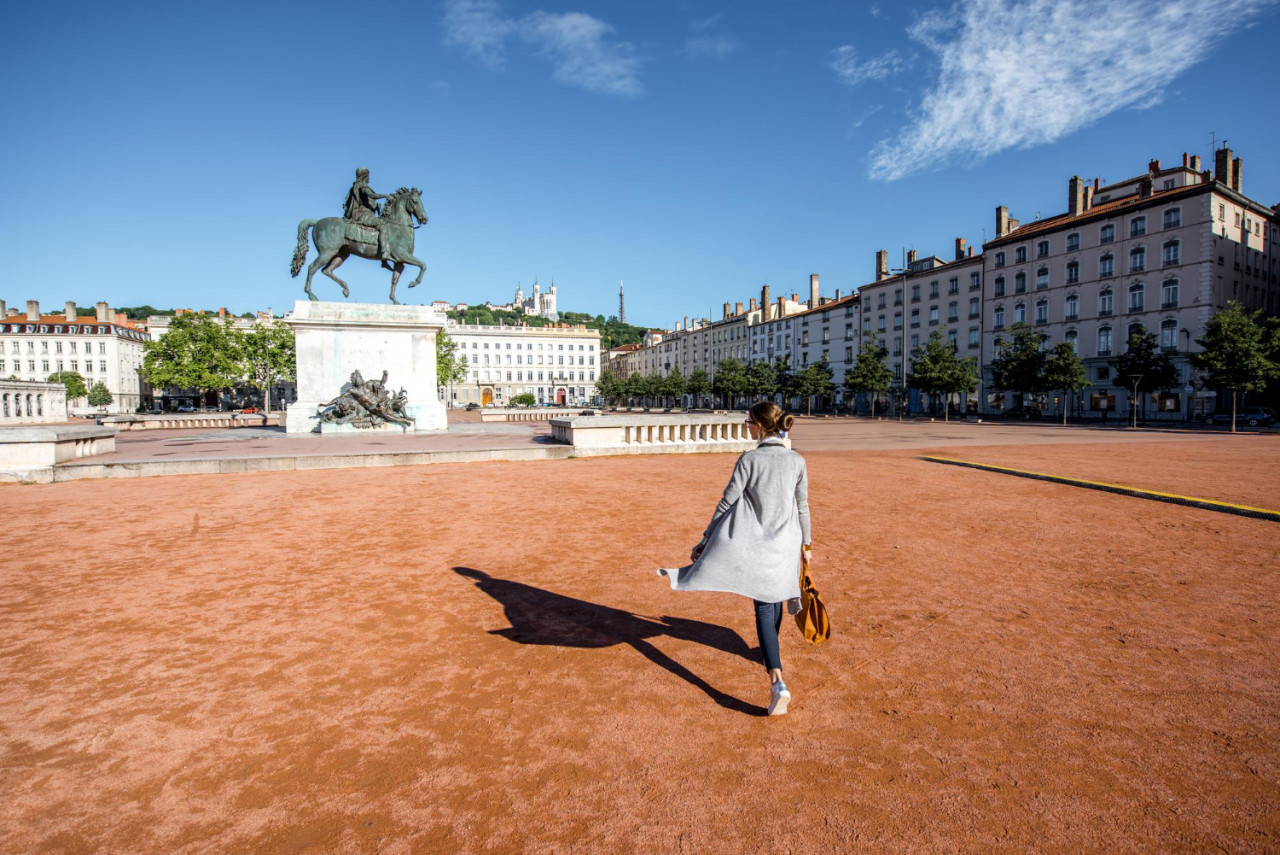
812 617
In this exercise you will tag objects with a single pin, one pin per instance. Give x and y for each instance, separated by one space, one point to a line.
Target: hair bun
786 422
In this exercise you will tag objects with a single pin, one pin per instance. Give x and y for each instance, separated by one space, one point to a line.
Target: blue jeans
768 622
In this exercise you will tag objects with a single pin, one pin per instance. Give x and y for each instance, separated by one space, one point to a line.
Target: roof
61 319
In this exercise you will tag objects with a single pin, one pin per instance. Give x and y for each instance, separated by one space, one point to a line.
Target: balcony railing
1169 304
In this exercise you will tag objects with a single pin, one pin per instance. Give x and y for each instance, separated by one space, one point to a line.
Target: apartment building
557 364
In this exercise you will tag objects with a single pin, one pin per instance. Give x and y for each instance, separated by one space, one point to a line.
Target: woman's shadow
542 617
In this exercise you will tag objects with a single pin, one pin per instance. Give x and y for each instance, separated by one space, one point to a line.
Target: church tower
622 304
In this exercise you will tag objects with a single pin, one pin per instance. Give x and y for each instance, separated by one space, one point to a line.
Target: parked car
185 408
1024 413
473 406
1251 416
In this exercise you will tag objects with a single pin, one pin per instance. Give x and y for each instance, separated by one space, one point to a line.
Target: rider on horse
362 207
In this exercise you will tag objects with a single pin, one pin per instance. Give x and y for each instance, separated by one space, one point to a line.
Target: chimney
882 264
813 290
912 255
4 310
102 310
1196 163
222 313
1237 175
753 304
33 310
782 307
1145 187
1186 160
1075 196
764 303
971 252
686 322
726 310
1002 221
837 293
1153 167
122 319
71 311
795 298
959 248
1088 197
737 309
1222 166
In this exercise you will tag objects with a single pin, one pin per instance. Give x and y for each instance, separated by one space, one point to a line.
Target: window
1135 329
1072 308
44 366
1020 255
973 336
897 300
1042 249
999 287
866 326
915 293
880 325
953 287
1073 242
848 355
915 317
1070 338
1104 341
933 315
1105 306
975 281
1173 218
848 332
973 307
882 300
1172 253
999 319
1222 212
1107 234
1169 335
999 259
951 338
933 290
1137 298
1042 277
1137 226
1042 311
897 320
1073 272
1106 266
1019 283
915 342
1020 313
1137 259
897 345
1169 294
953 311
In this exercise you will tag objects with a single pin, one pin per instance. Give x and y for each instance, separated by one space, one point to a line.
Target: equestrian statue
383 233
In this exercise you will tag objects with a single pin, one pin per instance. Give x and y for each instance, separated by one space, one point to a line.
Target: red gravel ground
479 658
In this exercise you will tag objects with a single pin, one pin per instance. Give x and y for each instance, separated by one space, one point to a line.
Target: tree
524 399
870 374
761 379
730 381
73 381
673 385
1239 355
965 378
814 381
451 366
197 352
698 385
99 395
1143 367
267 352
784 379
1018 365
634 387
609 386
933 366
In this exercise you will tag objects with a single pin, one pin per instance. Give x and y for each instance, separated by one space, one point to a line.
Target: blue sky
164 153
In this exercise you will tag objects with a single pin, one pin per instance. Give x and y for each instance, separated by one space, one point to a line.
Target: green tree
1018 365
673 385
1142 368
814 381
99 395
761 380
870 374
730 381
197 352
698 385
965 377
73 381
1239 354
524 399
268 354
784 379
933 366
451 366
1065 370
634 387
609 386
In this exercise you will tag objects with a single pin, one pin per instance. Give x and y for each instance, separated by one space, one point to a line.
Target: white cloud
710 47
700 24
875 11
479 29
1019 74
844 62
575 44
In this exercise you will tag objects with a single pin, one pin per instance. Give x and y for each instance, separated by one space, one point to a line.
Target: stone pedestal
334 339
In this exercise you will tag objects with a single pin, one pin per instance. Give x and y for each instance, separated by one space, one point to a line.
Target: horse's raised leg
321 261
416 262
395 277
333 265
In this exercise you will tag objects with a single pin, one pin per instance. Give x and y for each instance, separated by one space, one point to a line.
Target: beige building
557 364
103 348
1160 252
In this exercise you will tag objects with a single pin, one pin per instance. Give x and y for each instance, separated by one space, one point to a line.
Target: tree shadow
538 616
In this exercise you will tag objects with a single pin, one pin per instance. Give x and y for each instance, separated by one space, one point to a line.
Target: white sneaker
779 697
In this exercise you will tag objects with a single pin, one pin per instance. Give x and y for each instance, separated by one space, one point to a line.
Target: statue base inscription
336 339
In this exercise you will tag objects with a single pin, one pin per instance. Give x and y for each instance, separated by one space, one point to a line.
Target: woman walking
752 545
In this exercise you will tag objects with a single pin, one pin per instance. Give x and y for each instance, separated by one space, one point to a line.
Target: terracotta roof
61 318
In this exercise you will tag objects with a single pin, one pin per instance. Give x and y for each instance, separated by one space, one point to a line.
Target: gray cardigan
753 540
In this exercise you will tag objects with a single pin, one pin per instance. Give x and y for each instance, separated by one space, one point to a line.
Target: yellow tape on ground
1193 501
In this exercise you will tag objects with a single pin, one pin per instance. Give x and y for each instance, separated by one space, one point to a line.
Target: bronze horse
337 239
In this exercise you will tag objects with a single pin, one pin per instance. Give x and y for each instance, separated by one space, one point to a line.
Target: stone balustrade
665 433
30 453
532 414
187 421
25 402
